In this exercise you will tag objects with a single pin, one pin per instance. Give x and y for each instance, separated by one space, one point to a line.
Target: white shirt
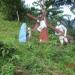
61 28
42 25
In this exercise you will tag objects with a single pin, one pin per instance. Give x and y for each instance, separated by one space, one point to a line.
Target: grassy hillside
32 57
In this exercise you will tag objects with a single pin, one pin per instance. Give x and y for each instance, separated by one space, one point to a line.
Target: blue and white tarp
22 33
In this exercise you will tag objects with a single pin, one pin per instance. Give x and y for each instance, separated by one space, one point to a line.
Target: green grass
38 58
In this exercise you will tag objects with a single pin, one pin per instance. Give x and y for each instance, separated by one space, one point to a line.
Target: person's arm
65 30
56 33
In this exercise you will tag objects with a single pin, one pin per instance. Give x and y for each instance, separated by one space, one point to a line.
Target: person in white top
42 28
42 24
62 28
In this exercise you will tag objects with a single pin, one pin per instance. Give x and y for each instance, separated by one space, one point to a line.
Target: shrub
7 69
6 50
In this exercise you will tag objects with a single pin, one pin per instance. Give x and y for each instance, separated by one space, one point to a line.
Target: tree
11 9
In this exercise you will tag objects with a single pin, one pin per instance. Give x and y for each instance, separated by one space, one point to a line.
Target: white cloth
42 25
62 28
62 38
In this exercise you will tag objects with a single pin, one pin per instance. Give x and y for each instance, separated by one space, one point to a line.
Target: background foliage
32 57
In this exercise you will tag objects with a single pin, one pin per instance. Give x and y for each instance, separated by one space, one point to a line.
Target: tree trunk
17 15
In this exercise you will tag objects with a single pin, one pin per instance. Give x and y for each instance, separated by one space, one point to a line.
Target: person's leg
44 35
65 40
61 40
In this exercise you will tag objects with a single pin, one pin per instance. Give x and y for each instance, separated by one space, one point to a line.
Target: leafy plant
7 69
6 50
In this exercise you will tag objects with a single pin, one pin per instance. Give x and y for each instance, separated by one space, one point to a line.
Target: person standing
62 37
42 28
23 33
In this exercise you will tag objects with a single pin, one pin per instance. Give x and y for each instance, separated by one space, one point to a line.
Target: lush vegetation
32 57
